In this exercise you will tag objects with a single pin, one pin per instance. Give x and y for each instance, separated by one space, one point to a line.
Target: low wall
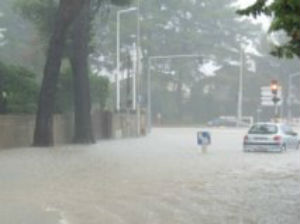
17 130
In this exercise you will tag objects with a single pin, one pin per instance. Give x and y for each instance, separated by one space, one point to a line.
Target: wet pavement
161 179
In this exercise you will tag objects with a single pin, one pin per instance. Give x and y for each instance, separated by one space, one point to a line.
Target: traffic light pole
274 89
289 100
276 112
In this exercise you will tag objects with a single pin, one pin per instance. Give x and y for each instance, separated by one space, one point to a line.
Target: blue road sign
203 138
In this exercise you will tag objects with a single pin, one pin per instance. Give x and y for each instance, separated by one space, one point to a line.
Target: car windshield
263 129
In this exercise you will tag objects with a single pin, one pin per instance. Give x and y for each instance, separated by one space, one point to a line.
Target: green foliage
100 90
286 17
40 12
256 9
21 44
64 94
121 2
20 88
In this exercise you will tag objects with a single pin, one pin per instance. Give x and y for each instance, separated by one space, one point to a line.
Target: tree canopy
285 16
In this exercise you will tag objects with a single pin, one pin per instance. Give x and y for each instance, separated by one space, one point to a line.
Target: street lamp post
150 59
138 66
240 94
291 76
117 75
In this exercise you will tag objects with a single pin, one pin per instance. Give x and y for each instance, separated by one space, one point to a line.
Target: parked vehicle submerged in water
272 137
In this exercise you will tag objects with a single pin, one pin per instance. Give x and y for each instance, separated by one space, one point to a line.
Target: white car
273 137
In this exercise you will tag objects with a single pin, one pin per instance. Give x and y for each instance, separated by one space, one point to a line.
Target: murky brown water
162 179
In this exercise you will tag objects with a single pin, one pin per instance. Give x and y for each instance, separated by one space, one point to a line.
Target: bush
99 89
18 90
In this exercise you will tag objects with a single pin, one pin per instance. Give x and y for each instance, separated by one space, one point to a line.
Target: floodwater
161 179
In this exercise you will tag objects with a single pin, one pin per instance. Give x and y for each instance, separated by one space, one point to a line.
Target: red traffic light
274 86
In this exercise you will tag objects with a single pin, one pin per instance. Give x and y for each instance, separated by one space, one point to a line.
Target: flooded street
161 179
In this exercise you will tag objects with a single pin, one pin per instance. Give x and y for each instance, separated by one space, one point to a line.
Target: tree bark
43 134
83 130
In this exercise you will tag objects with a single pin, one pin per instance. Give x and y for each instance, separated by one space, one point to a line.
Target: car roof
270 123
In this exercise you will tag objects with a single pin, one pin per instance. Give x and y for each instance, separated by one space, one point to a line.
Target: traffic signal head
274 87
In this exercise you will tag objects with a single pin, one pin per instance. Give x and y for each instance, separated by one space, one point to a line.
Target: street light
291 76
150 59
117 75
138 57
241 82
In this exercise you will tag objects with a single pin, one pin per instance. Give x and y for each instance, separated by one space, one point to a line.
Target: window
263 129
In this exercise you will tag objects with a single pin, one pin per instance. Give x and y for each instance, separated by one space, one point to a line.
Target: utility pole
134 73
138 75
117 76
128 98
289 100
149 96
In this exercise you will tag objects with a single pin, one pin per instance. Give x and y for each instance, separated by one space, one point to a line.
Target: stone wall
17 130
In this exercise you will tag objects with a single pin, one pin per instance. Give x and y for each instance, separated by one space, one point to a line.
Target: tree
83 132
81 30
81 36
68 10
286 17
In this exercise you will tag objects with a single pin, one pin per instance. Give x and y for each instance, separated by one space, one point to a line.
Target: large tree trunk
83 132
43 135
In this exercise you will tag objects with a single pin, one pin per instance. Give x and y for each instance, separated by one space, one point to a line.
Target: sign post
203 140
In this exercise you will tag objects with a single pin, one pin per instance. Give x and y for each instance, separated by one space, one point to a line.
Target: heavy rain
149 112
